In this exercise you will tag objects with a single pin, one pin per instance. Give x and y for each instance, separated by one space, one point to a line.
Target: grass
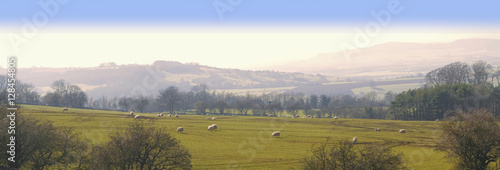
245 141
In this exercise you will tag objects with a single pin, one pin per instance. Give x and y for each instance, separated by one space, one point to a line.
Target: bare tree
140 146
141 102
480 73
170 98
344 155
41 145
472 139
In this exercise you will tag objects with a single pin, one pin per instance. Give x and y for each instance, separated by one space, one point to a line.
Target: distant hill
110 79
397 59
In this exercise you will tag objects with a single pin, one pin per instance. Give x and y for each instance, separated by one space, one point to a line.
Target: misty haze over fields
318 75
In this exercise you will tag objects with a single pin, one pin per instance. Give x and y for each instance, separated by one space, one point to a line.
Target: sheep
131 113
211 127
214 118
354 140
137 117
215 126
377 129
209 118
275 133
335 117
65 109
158 115
169 115
402 131
297 116
309 116
180 129
437 120
271 115
176 115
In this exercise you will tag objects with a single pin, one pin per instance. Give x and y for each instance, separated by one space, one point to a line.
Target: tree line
457 86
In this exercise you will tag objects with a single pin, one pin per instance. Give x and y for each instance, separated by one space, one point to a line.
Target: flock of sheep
214 126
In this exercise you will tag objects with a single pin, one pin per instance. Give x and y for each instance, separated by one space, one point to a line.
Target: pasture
245 141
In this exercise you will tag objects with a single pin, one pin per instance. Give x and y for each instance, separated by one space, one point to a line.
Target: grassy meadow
245 141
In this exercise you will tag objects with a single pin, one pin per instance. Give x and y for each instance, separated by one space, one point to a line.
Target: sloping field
245 141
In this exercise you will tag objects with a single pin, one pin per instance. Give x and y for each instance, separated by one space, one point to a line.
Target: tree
141 102
40 145
294 108
65 94
170 98
140 146
314 101
125 103
345 156
472 139
480 73
324 101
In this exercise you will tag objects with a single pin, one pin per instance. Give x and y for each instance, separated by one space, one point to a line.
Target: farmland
245 141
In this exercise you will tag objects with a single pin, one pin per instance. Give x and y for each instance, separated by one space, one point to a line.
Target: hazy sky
226 33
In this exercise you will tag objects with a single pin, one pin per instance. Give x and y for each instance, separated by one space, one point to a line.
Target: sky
226 33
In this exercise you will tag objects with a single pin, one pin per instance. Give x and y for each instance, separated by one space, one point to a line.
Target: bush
345 156
39 145
141 146
472 139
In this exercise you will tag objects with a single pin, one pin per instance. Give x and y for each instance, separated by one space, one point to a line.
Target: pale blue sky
224 33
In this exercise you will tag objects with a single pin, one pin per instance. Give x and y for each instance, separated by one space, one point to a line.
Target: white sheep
377 129
209 118
354 140
65 109
211 127
275 133
176 115
137 117
309 116
158 115
271 115
214 118
402 131
131 113
335 117
215 126
180 129
437 120
169 115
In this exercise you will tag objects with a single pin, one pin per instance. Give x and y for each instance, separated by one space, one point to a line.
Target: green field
245 141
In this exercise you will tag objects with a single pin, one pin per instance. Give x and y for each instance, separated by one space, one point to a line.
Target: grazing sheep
335 117
271 115
275 133
65 109
131 113
437 120
309 116
158 115
402 131
214 118
169 115
210 127
180 129
137 117
377 130
354 140
215 126
208 118
176 115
